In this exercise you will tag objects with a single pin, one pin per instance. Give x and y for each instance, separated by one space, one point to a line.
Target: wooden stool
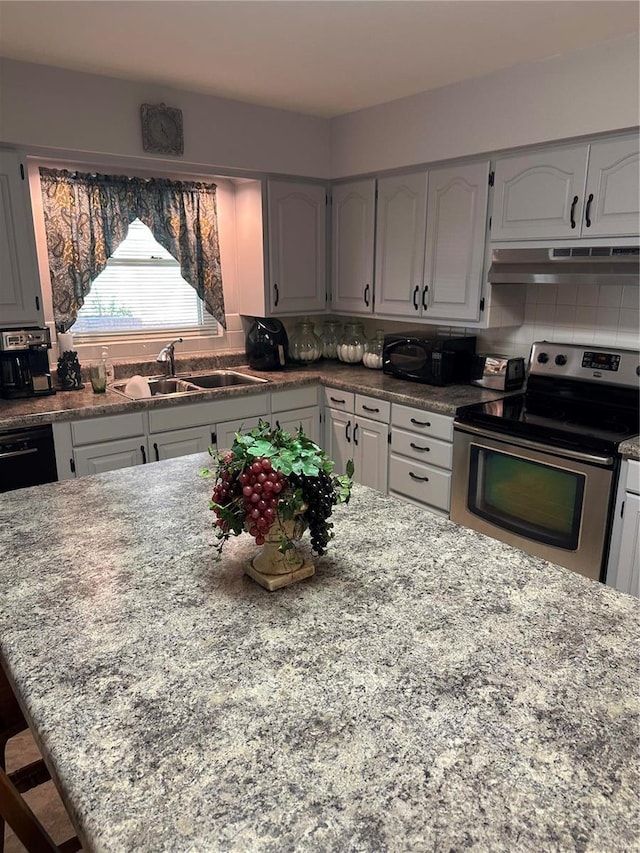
13 809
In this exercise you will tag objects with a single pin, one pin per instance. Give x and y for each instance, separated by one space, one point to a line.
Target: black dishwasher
27 457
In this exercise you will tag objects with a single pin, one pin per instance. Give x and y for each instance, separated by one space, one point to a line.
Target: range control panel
610 365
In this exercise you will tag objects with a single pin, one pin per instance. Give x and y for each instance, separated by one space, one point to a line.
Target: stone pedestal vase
273 568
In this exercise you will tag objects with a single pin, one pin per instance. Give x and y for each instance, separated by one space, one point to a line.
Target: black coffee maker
24 364
267 345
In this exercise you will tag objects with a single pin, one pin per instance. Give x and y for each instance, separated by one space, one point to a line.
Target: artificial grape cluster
319 495
258 486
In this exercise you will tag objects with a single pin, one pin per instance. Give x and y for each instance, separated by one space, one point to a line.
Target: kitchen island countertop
429 689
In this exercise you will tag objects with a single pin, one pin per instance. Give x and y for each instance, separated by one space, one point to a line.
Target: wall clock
162 129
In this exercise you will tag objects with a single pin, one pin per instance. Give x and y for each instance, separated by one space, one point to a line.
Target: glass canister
373 350
304 344
351 347
331 330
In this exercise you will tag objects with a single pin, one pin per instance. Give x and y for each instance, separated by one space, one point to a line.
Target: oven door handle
594 459
10 453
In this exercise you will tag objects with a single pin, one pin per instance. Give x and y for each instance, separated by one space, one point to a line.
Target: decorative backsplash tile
602 315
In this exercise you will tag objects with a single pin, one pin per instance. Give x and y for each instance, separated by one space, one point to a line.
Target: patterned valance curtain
87 217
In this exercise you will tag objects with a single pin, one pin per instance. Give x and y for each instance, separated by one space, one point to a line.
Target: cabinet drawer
420 482
202 414
294 398
341 400
94 430
422 448
369 407
420 421
633 477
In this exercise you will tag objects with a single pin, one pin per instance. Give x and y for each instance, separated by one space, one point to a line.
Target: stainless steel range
539 470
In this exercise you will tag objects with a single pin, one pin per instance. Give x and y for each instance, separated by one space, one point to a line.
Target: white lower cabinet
623 569
180 442
110 455
297 407
95 445
421 457
350 435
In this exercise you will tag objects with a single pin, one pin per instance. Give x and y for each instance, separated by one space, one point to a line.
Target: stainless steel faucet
167 354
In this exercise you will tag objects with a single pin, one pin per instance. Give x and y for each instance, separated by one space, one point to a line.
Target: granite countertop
75 405
428 689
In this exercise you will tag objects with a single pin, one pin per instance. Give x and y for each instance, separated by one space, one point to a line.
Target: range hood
575 265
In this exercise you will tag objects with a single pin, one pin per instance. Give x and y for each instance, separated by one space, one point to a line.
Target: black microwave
423 357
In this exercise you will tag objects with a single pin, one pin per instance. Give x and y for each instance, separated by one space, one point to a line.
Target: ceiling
320 57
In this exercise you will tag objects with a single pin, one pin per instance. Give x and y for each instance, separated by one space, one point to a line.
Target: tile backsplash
601 315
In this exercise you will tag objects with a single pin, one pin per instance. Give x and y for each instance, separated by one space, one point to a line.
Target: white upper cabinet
20 301
456 231
540 195
400 240
612 195
353 217
297 215
568 193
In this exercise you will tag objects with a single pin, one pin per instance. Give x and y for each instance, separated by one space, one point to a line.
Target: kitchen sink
222 379
180 386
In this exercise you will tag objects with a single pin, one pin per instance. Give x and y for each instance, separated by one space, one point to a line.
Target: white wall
50 108
584 92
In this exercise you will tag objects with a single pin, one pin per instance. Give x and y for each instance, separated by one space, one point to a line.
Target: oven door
552 503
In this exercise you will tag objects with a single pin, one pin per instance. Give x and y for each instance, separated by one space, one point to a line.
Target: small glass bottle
108 365
331 330
373 350
351 348
304 344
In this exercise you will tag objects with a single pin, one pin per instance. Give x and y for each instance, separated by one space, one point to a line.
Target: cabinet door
110 455
181 442
338 432
628 574
353 216
456 227
20 301
308 419
539 195
371 451
297 247
226 432
612 201
401 211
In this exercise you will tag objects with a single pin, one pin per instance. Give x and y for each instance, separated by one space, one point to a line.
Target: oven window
539 501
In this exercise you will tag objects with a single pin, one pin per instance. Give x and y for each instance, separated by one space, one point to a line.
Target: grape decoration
270 473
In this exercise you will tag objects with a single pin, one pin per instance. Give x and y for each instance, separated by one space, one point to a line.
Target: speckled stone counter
71 405
75 405
429 689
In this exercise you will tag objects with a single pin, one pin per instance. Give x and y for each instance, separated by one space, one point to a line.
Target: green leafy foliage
304 485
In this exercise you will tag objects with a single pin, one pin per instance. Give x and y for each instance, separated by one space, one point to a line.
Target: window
141 290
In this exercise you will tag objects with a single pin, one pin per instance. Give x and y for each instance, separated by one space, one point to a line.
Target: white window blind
141 290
